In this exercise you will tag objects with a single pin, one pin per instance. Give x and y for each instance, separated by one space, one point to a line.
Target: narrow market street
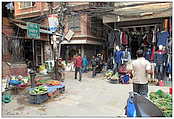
92 97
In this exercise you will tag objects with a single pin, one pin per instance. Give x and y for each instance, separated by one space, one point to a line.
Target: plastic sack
43 72
131 110
125 79
42 67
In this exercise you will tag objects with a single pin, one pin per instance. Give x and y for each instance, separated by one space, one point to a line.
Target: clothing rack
138 26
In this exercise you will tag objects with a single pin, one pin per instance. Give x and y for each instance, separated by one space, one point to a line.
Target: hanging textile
153 54
154 37
124 39
163 38
111 39
117 37
121 33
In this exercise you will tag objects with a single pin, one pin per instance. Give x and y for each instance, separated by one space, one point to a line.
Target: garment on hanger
117 38
124 38
152 54
121 33
163 38
118 56
154 37
111 38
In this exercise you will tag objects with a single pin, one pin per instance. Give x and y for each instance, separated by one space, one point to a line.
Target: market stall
159 104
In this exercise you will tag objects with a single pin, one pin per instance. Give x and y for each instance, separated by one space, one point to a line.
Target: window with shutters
74 23
26 4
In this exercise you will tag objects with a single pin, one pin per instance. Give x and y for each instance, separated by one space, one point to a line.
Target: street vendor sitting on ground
61 68
141 67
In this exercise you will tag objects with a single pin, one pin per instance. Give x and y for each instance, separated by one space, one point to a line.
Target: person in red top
78 67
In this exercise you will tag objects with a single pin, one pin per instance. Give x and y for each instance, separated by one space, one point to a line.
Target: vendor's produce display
53 83
48 82
18 80
115 76
108 74
39 90
162 101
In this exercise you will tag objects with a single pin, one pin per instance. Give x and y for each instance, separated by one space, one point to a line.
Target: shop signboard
53 22
33 30
69 35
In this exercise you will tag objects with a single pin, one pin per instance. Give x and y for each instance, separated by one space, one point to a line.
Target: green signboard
33 30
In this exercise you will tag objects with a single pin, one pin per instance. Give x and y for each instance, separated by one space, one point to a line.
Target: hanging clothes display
124 39
154 37
163 38
111 39
152 54
121 34
117 38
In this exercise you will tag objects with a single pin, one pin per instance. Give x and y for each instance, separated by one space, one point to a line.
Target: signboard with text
33 30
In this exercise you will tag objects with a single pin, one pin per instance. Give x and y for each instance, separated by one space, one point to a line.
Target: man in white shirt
140 68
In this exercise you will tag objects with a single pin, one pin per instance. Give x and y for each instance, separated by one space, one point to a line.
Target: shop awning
41 30
81 42
130 11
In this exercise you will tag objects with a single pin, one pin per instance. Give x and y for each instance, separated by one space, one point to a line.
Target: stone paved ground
93 97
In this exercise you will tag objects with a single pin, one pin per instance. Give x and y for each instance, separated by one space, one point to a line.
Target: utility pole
60 30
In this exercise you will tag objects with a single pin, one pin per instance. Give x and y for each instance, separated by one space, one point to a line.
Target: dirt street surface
92 97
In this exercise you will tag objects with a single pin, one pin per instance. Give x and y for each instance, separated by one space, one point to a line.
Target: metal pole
59 50
33 48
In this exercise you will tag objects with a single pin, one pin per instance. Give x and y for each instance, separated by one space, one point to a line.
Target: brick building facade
85 41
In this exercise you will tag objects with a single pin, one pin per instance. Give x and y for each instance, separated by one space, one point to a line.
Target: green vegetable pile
39 90
162 101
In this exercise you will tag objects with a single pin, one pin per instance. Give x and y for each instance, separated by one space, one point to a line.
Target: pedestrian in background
141 67
93 63
78 66
85 64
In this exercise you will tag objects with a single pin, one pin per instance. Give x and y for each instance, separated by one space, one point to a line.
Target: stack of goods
19 81
162 101
42 69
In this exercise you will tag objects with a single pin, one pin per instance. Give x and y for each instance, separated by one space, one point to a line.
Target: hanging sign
69 35
33 30
53 22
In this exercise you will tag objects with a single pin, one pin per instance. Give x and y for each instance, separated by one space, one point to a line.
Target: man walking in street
140 68
78 67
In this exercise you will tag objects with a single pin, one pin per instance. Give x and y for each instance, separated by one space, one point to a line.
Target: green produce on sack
115 76
162 101
39 90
